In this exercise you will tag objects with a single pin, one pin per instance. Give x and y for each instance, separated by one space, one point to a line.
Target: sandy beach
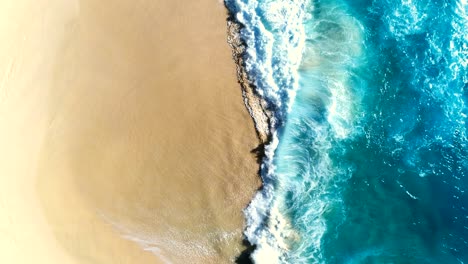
123 133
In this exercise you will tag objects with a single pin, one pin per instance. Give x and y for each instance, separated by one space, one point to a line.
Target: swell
412 158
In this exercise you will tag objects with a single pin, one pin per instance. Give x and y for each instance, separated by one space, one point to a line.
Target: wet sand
121 119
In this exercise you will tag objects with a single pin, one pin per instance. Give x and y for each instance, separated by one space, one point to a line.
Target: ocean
368 150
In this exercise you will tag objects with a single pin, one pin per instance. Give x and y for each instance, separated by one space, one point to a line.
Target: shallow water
368 161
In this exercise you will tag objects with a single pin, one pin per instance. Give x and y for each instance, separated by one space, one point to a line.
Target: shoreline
253 102
268 103
261 116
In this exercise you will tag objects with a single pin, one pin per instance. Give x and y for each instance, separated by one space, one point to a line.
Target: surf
319 80
368 148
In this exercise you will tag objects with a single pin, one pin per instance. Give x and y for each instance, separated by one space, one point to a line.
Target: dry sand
121 118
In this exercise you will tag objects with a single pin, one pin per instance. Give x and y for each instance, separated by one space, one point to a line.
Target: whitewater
367 155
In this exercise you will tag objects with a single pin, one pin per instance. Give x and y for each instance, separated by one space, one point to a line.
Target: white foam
274 35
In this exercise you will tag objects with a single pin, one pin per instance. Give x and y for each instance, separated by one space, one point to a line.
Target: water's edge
255 105
252 100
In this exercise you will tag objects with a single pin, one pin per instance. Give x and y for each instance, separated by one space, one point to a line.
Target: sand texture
123 133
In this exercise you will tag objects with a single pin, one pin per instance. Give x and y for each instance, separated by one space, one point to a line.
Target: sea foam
274 34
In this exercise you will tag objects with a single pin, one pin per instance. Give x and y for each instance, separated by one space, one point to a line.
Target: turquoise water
369 150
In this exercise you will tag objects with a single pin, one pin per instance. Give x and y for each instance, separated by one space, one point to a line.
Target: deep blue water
372 155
